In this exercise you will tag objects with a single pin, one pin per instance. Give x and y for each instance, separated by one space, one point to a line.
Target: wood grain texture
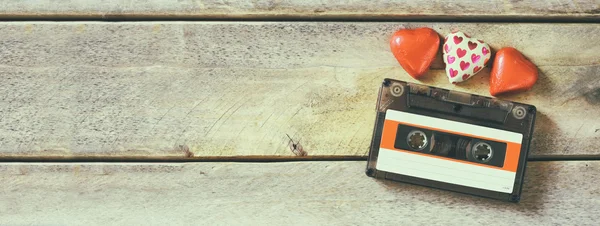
301 193
304 9
236 89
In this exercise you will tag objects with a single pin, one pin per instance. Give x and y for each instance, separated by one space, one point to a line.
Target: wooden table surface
177 112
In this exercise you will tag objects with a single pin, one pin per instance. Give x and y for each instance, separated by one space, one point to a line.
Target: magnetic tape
451 140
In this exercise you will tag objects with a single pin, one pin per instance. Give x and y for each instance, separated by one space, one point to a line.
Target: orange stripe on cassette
511 160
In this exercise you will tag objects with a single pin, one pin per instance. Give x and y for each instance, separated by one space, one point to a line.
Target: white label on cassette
439 169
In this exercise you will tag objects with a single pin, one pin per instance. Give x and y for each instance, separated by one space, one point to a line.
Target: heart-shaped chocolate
511 72
415 49
464 56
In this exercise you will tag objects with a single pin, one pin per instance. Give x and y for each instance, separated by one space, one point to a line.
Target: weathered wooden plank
237 89
304 9
273 45
315 193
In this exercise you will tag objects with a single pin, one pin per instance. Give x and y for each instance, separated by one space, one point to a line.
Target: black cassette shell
455 107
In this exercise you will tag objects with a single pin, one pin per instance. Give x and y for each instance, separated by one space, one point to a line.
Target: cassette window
454 146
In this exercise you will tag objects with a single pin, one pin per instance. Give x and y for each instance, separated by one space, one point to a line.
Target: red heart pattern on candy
464 65
464 56
447 48
472 45
451 59
458 40
453 73
461 52
474 58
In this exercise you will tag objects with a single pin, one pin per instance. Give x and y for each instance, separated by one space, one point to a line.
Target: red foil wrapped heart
415 49
511 72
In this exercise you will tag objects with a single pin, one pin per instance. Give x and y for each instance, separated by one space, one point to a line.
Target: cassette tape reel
451 140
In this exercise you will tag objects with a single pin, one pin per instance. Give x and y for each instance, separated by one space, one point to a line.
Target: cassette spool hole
482 152
397 90
417 140
519 112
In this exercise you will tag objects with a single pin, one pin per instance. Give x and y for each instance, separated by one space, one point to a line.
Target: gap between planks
306 10
524 19
257 159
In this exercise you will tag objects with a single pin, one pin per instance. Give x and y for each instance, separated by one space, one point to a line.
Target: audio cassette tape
450 140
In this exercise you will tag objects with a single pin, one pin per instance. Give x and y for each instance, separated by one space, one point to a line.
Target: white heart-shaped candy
464 56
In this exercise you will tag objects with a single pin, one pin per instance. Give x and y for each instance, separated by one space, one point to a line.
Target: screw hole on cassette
370 172
519 112
531 110
482 152
515 198
397 90
386 82
417 140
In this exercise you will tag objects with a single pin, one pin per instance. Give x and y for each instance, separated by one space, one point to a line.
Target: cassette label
439 166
